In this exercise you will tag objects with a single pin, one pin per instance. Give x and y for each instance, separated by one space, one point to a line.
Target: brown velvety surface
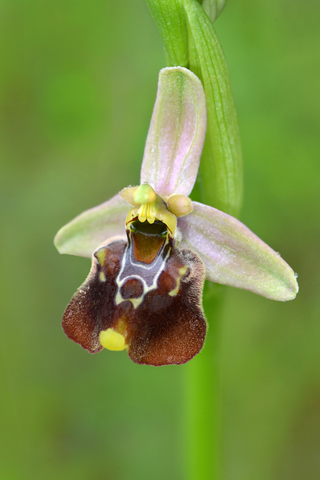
91 309
167 327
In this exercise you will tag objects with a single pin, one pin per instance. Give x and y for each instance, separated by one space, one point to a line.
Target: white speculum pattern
147 274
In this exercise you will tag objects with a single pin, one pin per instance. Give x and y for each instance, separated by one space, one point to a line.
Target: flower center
150 207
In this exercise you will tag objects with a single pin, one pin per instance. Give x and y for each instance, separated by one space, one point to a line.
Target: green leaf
221 163
170 19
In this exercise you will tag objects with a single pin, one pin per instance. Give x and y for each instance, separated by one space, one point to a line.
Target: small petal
176 134
139 194
235 256
180 205
128 193
88 230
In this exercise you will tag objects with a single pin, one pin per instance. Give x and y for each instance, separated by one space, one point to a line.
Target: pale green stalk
203 399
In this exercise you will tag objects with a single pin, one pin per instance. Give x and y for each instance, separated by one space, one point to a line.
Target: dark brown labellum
146 290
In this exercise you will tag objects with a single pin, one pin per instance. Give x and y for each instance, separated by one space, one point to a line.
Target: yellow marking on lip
175 291
101 256
112 340
102 277
135 301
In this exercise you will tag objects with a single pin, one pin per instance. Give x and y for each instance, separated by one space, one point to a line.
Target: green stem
203 399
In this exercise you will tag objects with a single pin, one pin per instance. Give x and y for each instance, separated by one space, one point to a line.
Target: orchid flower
152 247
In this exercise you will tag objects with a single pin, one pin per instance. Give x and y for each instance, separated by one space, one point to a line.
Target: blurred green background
78 82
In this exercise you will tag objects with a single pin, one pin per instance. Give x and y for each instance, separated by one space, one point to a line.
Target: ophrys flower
144 290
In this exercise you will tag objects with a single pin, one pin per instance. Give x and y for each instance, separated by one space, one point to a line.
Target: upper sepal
176 134
235 256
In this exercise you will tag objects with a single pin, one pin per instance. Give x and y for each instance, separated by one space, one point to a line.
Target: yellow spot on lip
101 256
102 277
112 340
175 291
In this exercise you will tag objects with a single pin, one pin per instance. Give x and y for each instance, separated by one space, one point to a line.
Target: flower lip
152 309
